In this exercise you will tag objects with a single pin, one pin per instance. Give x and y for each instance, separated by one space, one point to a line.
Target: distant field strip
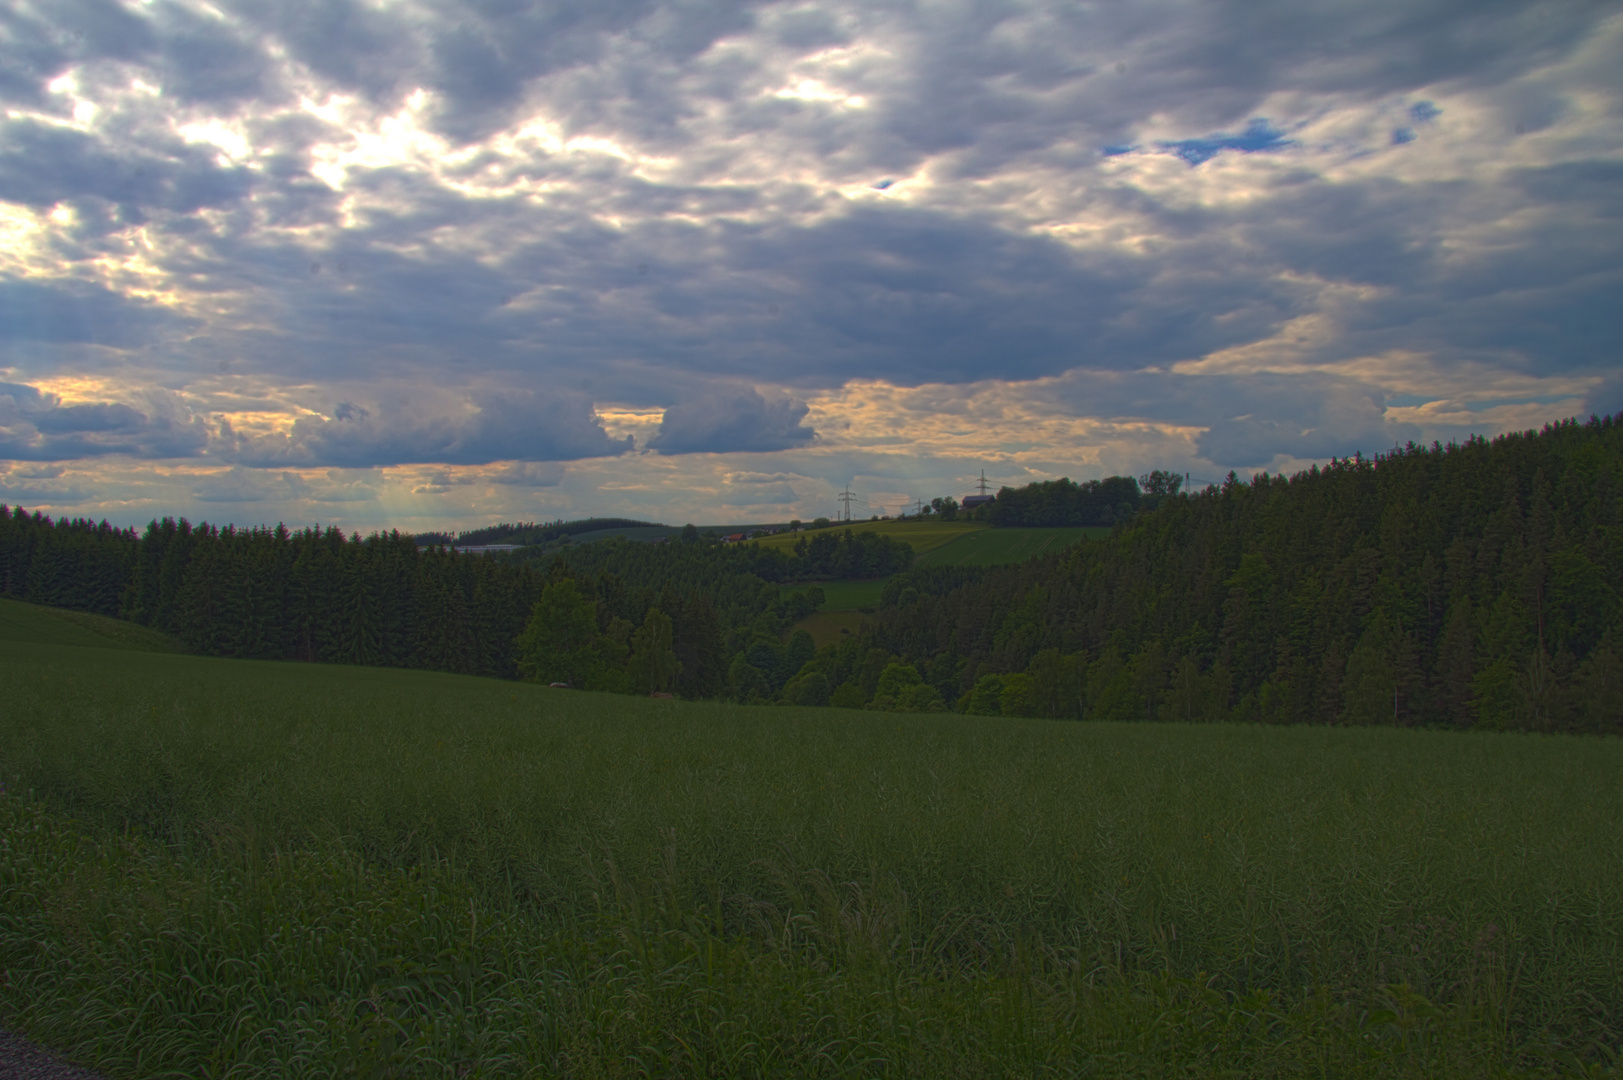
828 627
843 595
993 547
20 621
921 536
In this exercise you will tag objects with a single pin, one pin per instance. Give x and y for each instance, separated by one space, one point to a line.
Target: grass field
841 613
994 547
843 595
934 544
922 536
229 868
828 627
54 626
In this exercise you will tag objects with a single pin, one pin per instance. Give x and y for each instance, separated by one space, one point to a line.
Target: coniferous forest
1477 584
319 595
1471 585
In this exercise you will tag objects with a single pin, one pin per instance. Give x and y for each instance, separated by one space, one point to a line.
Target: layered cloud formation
429 263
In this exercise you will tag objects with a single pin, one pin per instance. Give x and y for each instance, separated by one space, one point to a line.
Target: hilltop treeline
276 594
319 595
527 532
1478 584
1064 502
691 562
1474 584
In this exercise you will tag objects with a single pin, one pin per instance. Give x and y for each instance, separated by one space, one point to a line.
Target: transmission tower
982 482
846 499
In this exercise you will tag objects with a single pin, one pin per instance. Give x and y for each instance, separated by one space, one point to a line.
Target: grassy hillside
921 536
963 543
828 627
843 595
307 870
20 621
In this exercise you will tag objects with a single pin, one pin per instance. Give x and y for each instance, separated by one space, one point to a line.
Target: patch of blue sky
883 185
1424 112
1258 136
1402 135
1118 150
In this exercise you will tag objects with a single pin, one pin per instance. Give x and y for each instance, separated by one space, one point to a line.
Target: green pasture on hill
828 627
842 612
843 595
921 536
236 868
996 547
21 621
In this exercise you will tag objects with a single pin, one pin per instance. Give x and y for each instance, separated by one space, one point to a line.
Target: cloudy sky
427 264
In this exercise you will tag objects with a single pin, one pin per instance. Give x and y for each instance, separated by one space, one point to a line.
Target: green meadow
963 543
844 595
234 868
934 544
921 536
21 621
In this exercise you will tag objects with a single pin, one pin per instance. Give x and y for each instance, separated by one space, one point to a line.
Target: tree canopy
1475 584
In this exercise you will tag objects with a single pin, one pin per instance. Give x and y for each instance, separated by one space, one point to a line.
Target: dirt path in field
22 1060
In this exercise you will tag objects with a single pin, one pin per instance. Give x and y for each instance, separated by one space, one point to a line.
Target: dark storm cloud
602 280
732 420
912 296
363 49
1606 399
905 295
513 425
1250 419
1300 418
44 164
35 426
485 57
205 59
71 311
101 417
38 41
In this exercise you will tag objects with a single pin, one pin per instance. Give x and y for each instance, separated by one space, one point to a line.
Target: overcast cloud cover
438 264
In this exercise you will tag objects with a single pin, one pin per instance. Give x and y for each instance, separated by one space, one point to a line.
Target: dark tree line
847 555
71 563
1478 584
745 584
694 562
1064 502
527 532
319 595
275 594
1467 585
